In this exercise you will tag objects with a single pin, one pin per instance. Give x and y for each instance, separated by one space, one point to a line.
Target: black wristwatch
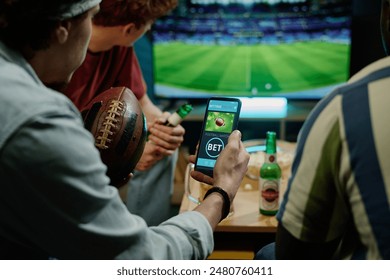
226 200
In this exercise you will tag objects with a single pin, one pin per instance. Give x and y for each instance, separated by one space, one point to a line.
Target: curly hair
139 12
29 24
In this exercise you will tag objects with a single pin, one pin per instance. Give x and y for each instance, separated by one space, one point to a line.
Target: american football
118 124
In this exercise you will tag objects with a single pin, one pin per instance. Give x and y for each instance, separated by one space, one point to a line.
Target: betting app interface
221 120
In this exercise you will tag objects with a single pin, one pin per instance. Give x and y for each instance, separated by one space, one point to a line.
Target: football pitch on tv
243 70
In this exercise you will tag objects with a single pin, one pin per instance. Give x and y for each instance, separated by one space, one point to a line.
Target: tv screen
298 49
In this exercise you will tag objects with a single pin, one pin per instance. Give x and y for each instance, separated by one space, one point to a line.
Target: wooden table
246 229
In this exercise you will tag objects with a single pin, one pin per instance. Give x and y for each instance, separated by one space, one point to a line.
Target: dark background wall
366 44
144 50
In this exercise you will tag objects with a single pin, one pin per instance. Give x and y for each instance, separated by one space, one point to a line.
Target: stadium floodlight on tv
298 49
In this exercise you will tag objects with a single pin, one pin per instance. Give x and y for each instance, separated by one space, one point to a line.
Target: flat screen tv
298 49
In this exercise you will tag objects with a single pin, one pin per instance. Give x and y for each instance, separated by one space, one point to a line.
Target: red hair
139 12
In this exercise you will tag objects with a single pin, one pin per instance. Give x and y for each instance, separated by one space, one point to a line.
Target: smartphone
220 119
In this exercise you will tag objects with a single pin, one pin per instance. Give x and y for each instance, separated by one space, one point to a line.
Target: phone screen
221 118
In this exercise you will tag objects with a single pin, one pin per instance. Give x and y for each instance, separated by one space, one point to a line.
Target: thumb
163 117
235 138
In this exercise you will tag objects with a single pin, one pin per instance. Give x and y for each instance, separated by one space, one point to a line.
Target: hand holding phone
221 118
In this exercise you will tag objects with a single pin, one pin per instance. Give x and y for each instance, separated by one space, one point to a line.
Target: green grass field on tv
247 70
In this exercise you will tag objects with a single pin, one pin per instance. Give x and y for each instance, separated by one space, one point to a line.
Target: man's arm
150 110
229 171
163 140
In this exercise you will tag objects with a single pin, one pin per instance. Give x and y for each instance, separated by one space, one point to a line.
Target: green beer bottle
270 174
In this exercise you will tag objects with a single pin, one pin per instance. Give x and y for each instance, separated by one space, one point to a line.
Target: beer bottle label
269 194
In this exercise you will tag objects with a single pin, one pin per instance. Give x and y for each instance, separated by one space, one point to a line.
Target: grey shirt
55 195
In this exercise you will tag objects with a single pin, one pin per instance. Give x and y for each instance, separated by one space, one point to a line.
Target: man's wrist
226 200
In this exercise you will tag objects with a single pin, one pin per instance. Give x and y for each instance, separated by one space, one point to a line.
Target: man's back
340 176
101 71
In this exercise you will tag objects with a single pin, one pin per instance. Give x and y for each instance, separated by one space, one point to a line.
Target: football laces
104 138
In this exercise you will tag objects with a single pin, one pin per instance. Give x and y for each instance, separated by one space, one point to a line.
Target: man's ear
62 31
128 29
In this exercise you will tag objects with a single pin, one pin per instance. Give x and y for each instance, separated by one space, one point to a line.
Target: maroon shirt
101 71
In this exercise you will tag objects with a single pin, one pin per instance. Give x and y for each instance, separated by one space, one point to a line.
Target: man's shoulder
371 69
379 70
23 99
